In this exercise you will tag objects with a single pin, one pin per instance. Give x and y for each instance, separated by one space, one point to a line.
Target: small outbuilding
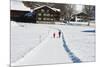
20 13
80 17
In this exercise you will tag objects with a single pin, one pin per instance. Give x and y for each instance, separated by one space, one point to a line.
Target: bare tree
62 8
88 9
69 10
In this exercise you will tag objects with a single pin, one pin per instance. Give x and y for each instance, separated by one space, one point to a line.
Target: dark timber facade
46 13
42 13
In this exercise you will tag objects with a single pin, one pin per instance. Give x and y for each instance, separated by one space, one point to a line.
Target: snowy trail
50 51
71 54
74 58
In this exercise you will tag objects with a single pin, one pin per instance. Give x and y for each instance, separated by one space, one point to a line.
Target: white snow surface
18 5
25 37
50 51
33 44
54 9
82 44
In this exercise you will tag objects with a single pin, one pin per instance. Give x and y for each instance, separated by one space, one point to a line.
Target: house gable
46 13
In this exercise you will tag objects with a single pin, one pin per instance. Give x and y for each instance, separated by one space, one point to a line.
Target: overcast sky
78 7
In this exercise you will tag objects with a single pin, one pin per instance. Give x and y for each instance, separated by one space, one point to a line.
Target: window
48 18
39 14
39 18
44 18
51 19
44 14
42 10
48 14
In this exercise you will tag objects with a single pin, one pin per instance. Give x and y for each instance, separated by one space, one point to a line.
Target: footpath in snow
50 51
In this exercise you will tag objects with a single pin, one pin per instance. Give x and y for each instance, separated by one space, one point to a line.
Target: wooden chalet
47 13
20 13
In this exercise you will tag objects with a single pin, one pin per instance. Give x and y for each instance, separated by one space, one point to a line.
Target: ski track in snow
71 54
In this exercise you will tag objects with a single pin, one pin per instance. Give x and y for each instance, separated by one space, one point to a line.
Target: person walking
59 33
54 35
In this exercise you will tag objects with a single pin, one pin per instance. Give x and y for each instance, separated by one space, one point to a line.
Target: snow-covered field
82 44
25 37
33 43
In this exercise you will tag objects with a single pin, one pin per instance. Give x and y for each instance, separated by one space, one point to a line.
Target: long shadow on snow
71 54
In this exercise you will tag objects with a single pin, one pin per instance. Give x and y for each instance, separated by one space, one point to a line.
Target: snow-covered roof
81 14
18 5
54 9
